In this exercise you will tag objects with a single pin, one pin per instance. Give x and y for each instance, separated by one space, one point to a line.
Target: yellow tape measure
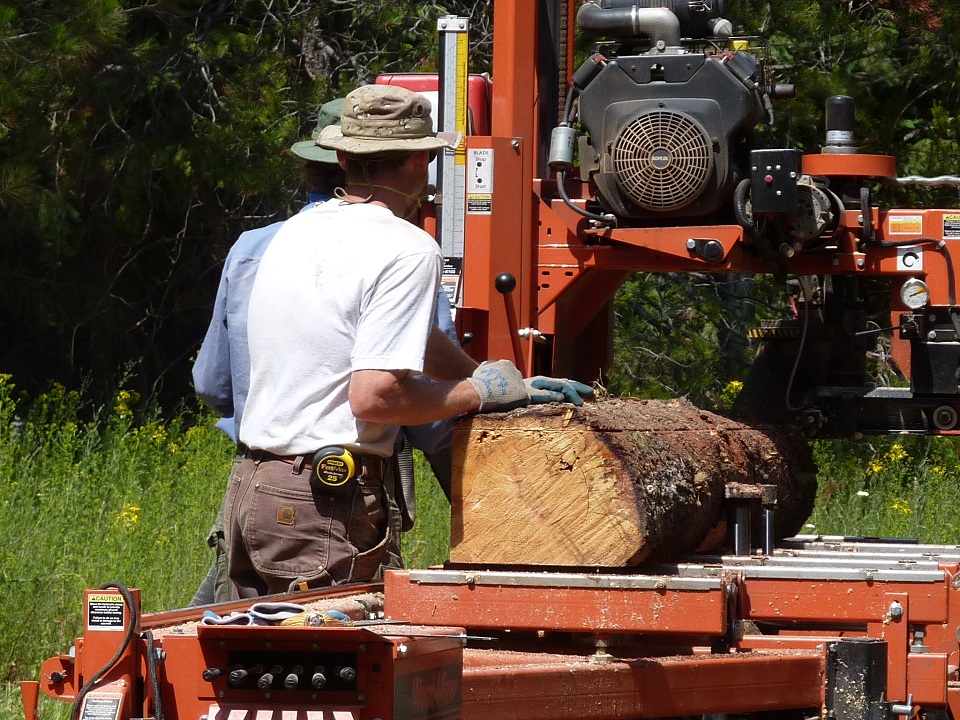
333 468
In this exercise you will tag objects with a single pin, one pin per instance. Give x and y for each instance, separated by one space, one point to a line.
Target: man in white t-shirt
343 351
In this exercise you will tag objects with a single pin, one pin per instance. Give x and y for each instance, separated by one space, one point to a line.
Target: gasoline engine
665 107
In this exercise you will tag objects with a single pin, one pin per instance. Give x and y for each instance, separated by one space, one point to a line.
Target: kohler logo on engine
660 159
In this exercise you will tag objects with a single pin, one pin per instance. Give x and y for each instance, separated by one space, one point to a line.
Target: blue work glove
547 389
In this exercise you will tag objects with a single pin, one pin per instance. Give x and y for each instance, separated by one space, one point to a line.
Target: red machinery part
849 165
717 634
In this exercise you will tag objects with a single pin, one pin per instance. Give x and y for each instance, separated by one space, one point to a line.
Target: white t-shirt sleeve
397 315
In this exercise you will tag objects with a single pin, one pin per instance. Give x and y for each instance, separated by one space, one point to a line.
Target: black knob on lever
505 283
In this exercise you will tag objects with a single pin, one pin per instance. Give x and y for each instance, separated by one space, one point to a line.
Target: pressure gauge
914 293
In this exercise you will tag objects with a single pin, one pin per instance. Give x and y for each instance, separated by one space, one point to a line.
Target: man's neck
393 200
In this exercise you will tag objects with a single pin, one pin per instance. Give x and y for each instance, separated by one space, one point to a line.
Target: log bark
613 483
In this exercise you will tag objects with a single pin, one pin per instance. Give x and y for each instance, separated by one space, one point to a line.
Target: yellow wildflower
128 517
901 506
896 453
124 403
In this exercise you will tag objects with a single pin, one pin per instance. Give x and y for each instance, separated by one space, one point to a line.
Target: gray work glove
501 387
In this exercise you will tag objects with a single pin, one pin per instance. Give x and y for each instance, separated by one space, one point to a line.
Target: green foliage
88 495
686 334
897 60
138 138
93 494
893 487
428 543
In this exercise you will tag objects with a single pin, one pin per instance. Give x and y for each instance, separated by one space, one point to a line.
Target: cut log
613 483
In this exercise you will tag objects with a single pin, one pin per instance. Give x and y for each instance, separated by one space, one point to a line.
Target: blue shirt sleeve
212 378
221 374
436 435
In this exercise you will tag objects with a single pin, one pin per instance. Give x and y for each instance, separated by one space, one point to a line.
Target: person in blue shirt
221 373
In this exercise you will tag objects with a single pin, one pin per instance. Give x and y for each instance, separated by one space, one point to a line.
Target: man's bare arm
398 397
445 360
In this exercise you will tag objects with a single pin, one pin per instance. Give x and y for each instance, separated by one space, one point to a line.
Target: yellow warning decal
905 224
951 226
112 598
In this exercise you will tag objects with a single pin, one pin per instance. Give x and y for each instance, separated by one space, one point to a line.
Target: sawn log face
612 483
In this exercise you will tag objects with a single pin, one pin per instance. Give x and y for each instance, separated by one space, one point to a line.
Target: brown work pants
282 535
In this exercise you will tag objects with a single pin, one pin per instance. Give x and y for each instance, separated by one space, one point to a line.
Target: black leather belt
373 465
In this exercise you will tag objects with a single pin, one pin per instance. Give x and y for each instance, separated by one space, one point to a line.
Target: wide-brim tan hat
383 119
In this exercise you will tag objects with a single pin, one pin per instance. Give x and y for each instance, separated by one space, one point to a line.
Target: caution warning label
951 226
105 612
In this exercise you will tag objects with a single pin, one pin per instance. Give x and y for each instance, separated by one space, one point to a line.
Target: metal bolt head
895 610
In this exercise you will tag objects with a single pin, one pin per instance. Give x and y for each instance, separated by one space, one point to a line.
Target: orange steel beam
514 130
527 686
840 601
601 608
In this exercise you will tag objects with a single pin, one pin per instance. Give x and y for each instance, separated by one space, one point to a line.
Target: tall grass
90 495
889 486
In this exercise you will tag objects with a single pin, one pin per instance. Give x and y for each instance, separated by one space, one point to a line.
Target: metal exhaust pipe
659 24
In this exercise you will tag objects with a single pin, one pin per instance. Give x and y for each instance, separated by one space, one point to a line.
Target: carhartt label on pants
286 515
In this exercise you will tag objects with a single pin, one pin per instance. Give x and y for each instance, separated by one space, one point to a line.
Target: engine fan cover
662 160
666 136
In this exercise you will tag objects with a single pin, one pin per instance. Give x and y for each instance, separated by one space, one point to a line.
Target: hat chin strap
416 200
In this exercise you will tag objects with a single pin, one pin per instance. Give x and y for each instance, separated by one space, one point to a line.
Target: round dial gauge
914 293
